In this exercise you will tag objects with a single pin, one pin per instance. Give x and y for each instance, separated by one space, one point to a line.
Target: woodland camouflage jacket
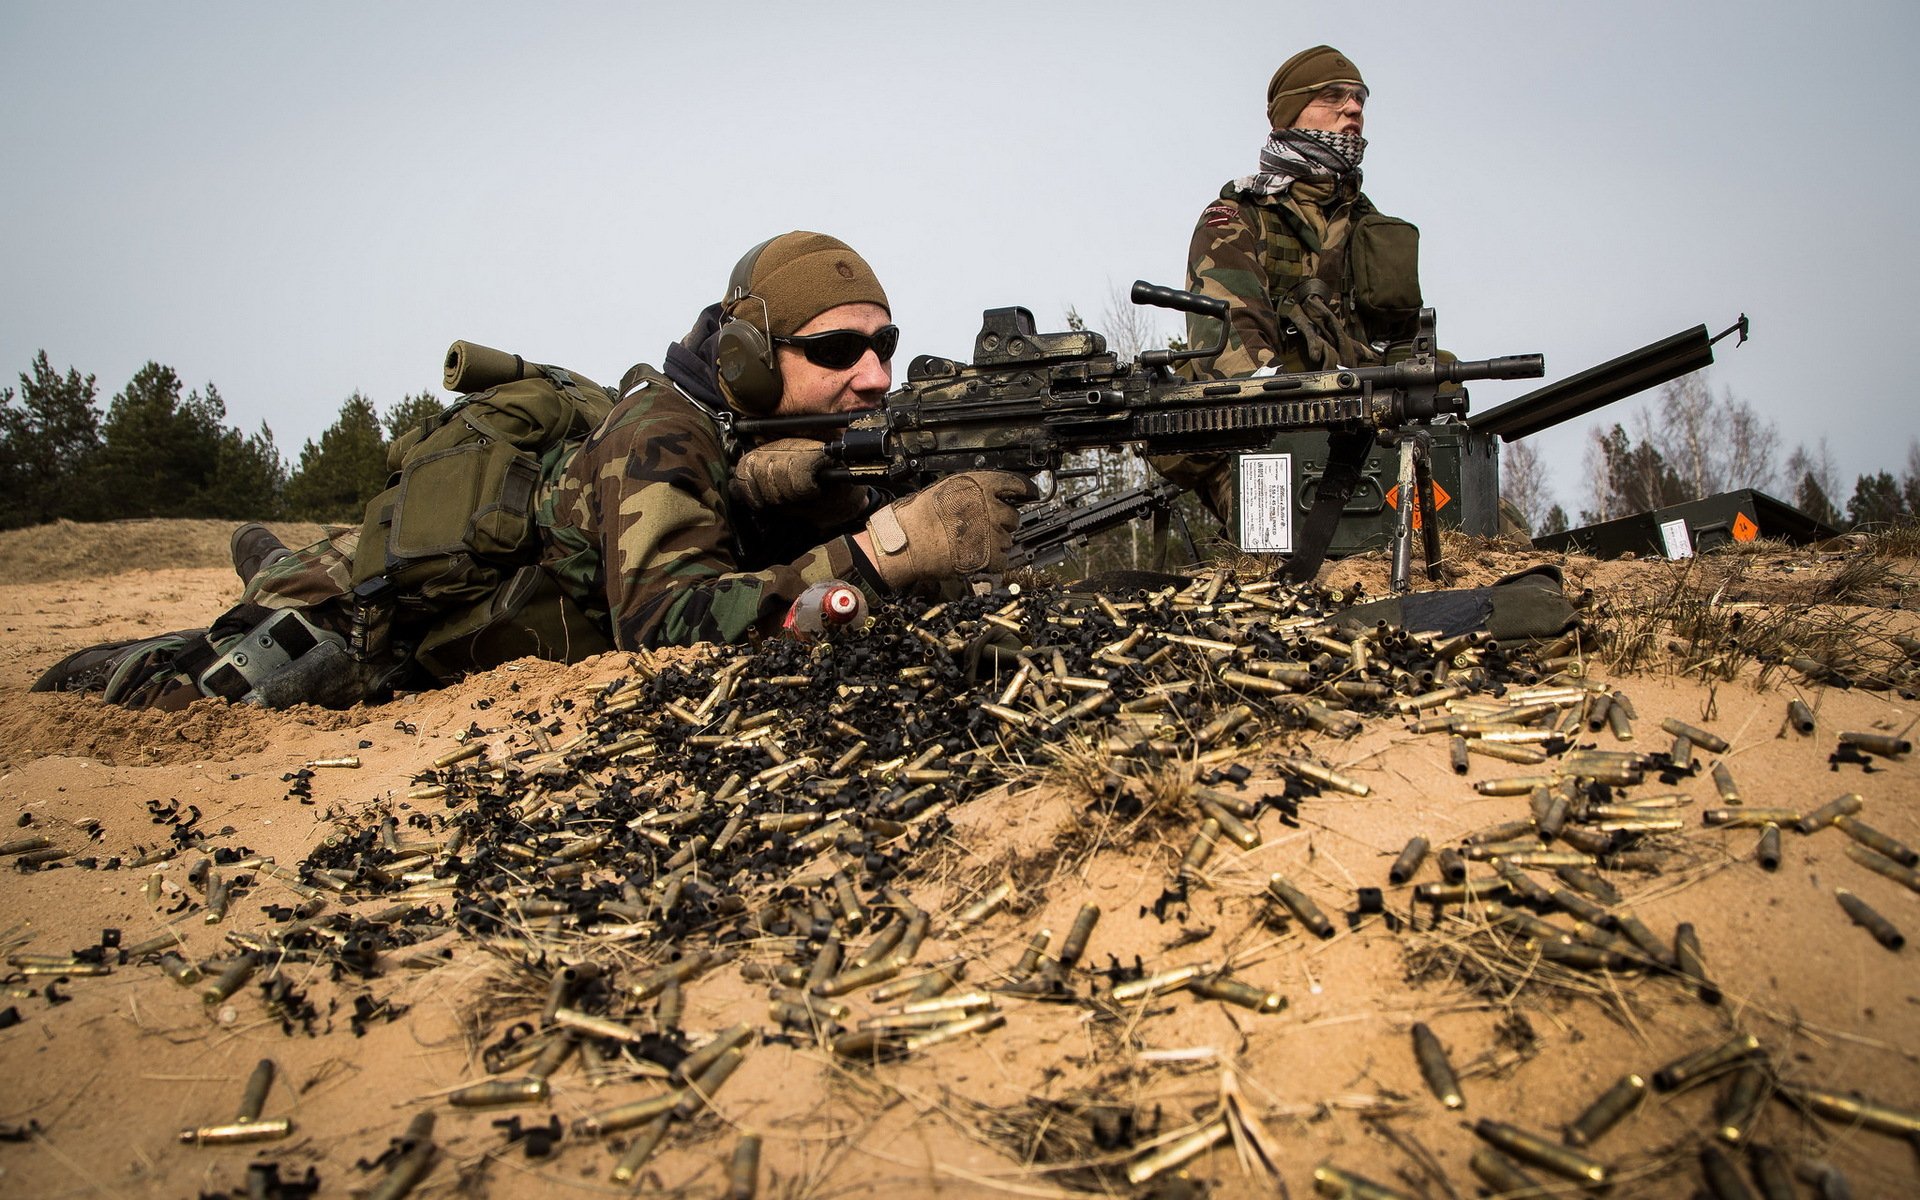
1254 252
639 529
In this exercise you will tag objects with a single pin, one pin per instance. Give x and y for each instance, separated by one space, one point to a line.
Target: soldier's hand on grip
784 473
960 525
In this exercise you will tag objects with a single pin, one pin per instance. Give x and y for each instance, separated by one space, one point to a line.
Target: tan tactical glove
960 525
784 473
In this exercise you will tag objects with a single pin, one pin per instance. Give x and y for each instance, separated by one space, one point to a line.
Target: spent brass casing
500 1092
593 1026
1549 858
1453 866
700 1090
1457 754
1724 784
1644 939
1501 1173
1618 719
1767 850
1234 991
1885 745
1514 785
628 1115
1883 930
977 1023
1326 777
882 947
1712 743
1434 1067
1300 905
1239 832
1851 1108
1681 756
233 976
1799 716
1607 1111
984 907
155 944
1035 951
859 977
1691 1068
254 1098
962 1002
237 1132
1499 833
1403 868
27 845
1159 982
459 755
1459 893
1554 820
179 970
1532 1148
1199 850
641 1148
1506 751
1873 861
1493 851
1336 1184
924 985
1077 935
1523 884
1844 805
1174 1153
743 1169
1749 817
1587 882
1570 901
727 1039
1739 1103
1876 841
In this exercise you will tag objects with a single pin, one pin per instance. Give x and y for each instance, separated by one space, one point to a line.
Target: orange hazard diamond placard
1440 498
1744 530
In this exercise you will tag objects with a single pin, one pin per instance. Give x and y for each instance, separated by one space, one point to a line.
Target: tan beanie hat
800 275
1298 78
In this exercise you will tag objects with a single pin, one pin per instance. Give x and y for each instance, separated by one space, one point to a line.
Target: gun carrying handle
1191 302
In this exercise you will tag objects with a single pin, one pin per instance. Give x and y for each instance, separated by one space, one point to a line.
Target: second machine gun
1028 399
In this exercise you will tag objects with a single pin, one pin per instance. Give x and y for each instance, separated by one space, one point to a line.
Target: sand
105 1072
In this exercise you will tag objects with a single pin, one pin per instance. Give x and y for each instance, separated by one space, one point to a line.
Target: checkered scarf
1295 154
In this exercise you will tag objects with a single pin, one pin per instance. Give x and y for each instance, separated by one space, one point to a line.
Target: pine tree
336 477
49 443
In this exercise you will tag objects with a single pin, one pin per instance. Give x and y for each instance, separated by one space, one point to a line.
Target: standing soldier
1315 276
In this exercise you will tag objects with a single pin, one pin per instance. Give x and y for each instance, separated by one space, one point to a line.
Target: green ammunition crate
1277 487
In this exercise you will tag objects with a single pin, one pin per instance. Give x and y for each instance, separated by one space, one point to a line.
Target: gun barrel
1650 366
1511 366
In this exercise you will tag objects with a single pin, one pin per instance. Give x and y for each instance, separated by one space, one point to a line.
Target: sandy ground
103 1073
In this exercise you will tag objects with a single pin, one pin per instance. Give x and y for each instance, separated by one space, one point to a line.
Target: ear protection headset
744 352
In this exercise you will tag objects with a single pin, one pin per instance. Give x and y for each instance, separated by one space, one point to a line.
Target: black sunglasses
838 349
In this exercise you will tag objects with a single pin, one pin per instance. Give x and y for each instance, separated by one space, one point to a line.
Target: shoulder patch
1220 212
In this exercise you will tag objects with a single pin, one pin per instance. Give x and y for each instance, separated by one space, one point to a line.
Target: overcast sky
295 201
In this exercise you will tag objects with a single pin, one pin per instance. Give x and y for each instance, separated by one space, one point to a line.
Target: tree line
159 450
1689 443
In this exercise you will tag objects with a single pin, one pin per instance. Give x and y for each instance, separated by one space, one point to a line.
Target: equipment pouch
530 615
476 497
1384 257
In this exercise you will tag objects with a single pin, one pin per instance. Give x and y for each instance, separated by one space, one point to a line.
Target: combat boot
255 547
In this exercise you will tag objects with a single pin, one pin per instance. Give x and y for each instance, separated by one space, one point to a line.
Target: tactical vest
1334 301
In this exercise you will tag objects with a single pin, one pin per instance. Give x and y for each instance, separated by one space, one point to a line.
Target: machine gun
1028 399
